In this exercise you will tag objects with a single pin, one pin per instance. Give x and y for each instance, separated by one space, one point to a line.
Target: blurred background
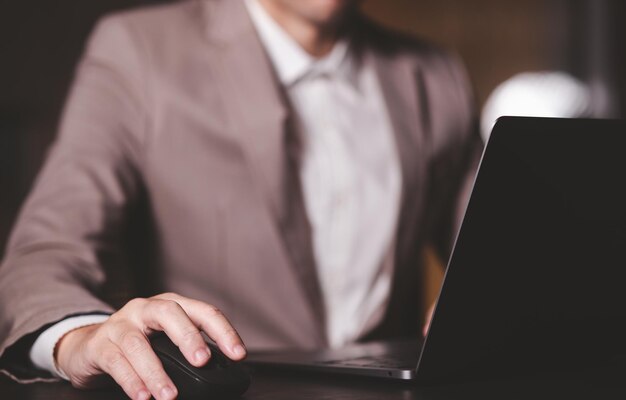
571 53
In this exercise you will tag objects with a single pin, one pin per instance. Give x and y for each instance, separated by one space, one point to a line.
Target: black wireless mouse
219 378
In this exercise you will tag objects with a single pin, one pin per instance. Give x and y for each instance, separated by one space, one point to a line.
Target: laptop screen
537 278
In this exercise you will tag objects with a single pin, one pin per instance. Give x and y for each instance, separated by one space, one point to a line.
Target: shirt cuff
42 352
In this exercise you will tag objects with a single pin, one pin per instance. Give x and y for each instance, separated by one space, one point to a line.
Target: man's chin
331 20
325 12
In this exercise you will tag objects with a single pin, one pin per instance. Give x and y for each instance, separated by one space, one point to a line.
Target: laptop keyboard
373 362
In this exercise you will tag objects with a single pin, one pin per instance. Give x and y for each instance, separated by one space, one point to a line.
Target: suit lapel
408 113
259 116
254 102
398 82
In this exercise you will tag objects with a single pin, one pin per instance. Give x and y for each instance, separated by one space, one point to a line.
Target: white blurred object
537 94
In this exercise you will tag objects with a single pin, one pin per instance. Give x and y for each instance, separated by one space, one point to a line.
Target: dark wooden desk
297 386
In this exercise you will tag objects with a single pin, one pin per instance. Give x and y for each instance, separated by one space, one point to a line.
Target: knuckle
115 317
213 311
112 329
128 380
111 359
167 296
231 333
156 376
115 321
166 306
136 303
132 342
190 335
98 342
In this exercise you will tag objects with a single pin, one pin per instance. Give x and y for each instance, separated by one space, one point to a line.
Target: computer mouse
219 378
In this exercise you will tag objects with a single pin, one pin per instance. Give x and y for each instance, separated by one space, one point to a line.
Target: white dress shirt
350 174
350 178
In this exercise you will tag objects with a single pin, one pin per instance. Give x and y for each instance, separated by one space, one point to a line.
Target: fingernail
143 395
202 355
168 393
239 350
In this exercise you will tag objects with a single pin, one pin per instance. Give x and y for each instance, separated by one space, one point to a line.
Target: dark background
40 43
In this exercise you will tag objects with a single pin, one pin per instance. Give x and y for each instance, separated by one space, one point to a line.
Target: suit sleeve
71 220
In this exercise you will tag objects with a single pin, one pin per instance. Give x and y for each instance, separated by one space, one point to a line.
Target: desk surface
298 386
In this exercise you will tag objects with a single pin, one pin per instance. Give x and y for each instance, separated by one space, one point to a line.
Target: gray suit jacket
179 105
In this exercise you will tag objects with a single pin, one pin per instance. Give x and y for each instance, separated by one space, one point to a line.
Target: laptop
537 277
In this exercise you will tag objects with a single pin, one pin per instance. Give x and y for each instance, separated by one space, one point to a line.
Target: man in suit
296 158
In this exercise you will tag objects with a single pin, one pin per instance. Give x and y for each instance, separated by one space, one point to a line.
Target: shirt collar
291 61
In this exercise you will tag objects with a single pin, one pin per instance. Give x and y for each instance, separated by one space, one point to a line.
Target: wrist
68 346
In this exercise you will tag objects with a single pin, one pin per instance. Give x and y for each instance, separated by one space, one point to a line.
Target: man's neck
315 40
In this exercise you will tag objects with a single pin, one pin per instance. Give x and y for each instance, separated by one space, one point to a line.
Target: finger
169 316
136 348
213 322
115 364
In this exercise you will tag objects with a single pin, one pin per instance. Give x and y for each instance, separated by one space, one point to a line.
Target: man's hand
120 348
